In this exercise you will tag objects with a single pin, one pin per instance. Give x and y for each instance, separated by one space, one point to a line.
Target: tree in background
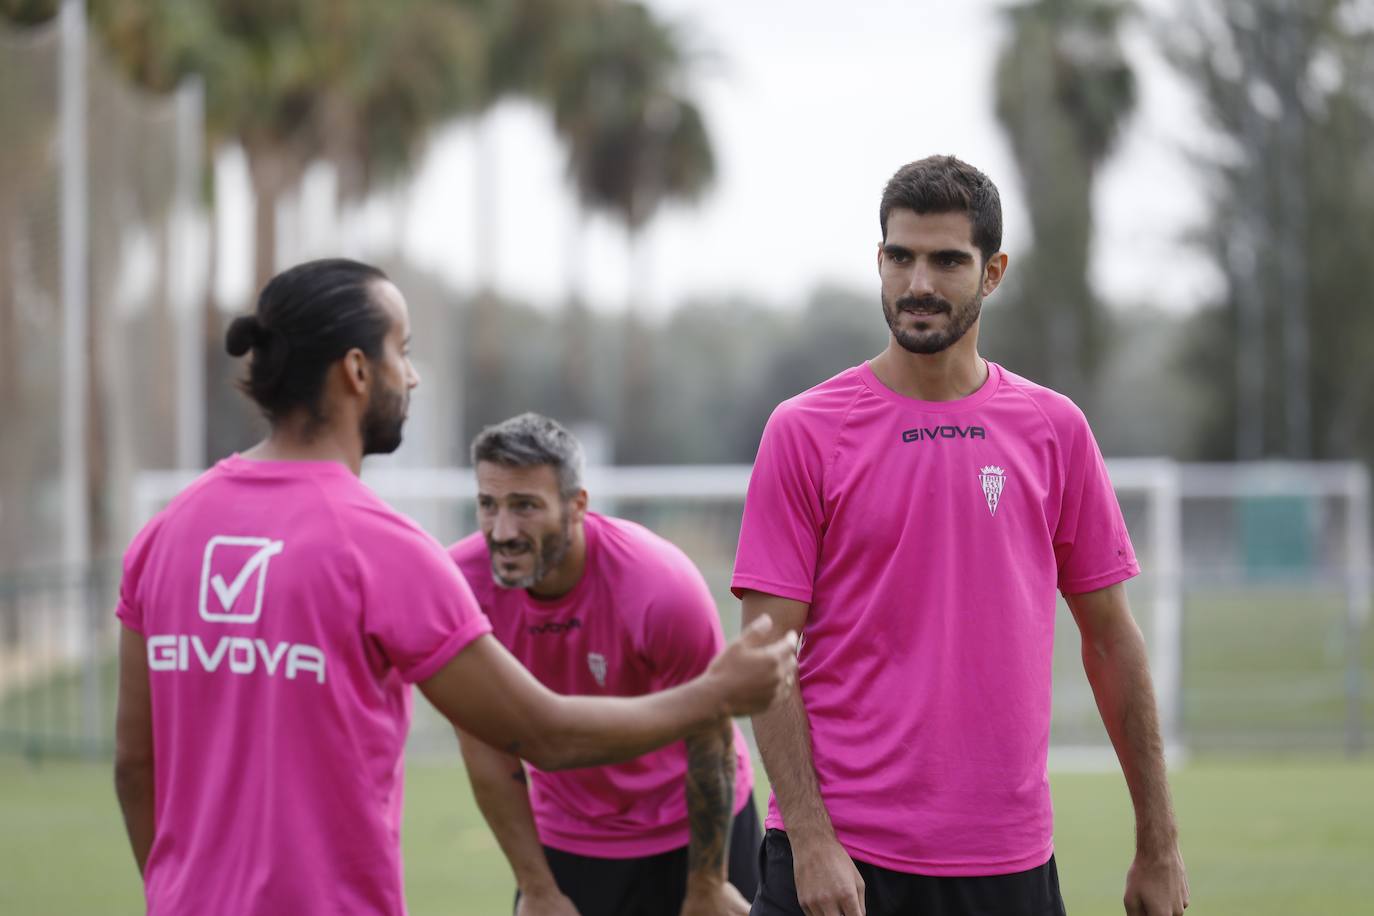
1289 353
635 140
1064 91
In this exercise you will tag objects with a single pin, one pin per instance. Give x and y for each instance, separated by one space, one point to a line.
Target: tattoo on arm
710 798
519 776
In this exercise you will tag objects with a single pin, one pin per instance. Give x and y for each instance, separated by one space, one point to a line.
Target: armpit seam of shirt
829 465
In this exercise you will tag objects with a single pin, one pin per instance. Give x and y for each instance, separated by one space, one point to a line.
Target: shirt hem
971 869
478 626
127 617
742 583
1094 583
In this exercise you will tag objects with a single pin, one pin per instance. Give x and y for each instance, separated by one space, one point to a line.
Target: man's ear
993 272
578 505
357 371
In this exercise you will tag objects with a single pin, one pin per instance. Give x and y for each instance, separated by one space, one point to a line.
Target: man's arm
828 884
133 768
485 691
1118 669
498 783
710 807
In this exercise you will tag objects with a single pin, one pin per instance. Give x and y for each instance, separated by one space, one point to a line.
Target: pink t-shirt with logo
929 539
641 619
286 611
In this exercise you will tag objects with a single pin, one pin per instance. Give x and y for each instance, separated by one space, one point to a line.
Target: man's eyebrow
894 248
954 254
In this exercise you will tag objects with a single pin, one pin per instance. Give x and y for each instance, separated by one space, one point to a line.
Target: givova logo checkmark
246 560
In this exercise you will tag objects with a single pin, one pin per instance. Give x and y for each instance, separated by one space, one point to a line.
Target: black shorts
893 893
651 885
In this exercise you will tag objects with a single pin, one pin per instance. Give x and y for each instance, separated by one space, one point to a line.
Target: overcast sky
811 105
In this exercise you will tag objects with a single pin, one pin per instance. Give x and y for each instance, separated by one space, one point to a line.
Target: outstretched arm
485 691
1118 669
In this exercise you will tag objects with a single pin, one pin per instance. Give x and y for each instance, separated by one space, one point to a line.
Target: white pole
1166 496
75 305
188 251
1358 591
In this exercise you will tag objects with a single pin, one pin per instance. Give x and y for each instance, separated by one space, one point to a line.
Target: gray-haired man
600 606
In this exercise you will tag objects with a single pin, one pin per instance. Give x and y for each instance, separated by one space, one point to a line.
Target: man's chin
517 582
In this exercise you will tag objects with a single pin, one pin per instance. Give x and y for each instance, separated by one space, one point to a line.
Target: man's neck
558 582
945 376
290 440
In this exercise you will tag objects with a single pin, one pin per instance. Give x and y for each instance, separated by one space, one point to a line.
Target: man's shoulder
1058 409
820 408
634 559
473 559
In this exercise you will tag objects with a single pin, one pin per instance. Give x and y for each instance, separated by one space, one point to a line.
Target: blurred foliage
1287 356
1064 90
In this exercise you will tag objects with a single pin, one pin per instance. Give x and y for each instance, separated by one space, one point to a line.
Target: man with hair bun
600 606
914 517
276 613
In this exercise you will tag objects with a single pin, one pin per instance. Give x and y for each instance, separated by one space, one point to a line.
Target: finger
756 634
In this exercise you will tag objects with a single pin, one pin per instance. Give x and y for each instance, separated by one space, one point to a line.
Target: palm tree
1064 92
634 141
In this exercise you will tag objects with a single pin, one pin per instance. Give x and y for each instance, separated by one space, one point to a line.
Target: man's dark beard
382 422
553 548
927 342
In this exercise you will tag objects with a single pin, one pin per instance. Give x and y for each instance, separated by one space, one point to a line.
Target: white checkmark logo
229 593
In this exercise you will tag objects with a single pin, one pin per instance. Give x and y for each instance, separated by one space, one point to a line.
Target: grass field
1260 838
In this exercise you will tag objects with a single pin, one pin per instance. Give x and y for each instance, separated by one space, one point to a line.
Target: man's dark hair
307 318
530 440
944 184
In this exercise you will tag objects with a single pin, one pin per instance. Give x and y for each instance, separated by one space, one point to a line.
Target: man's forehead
950 229
494 477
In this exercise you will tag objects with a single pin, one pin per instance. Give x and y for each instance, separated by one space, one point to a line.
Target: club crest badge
994 480
597 663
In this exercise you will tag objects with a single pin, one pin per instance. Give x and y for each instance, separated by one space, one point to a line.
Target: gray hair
531 440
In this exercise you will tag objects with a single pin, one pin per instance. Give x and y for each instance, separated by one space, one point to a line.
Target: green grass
1260 838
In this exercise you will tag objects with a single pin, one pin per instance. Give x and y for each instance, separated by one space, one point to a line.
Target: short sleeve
419 609
681 630
1091 545
780 532
129 610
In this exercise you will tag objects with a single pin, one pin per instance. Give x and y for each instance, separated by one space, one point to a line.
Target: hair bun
244 331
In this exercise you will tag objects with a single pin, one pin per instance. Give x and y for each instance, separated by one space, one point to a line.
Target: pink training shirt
286 611
929 539
641 619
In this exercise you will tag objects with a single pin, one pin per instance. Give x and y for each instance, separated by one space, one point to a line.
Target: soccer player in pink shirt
599 606
913 518
276 613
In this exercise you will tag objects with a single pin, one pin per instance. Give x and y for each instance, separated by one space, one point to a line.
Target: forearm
500 787
710 793
784 739
134 789
1118 670
588 731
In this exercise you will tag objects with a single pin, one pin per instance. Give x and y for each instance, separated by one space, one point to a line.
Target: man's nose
921 280
503 527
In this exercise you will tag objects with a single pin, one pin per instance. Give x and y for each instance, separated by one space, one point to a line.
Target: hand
714 898
753 672
828 884
546 903
1157 885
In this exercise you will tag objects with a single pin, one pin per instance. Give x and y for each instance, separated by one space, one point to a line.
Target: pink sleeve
129 610
1091 544
419 610
779 538
682 630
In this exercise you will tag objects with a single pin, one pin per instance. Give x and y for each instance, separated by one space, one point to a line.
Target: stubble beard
924 343
553 549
